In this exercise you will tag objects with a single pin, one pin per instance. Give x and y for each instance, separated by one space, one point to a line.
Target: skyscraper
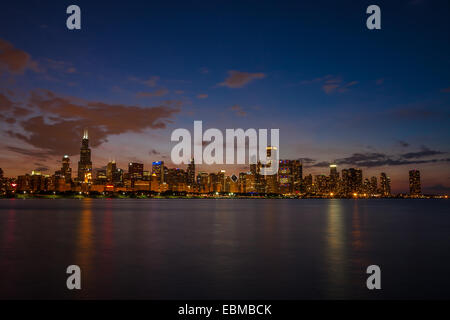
135 171
334 178
191 173
111 171
85 164
414 183
385 185
158 170
66 170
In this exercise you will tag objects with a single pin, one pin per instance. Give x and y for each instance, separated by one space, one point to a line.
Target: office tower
351 181
203 182
385 185
373 185
176 179
66 171
1 173
158 170
85 164
289 176
297 175
285 176
111 169
334 178
191 173
101 177
308 183
220 181
135 171
271 181
414 183
321 184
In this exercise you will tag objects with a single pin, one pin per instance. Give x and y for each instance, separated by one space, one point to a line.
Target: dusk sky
374 99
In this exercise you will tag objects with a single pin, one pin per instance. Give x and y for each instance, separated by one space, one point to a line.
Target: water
225 249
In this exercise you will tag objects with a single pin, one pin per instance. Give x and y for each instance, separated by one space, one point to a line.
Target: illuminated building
351 181
308 183
101 177
191 174
111 171
321 184
176 179
373 186
290 174
385 185
203 182
66 171
414 183
271 180
158 170
135 171
334 178
85 164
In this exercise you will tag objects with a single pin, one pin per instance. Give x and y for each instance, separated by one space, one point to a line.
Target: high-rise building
111 170
66 170
158 170
351 181
414 183
271 181
85 164
385 185
334 178
135 171
191 174
289 176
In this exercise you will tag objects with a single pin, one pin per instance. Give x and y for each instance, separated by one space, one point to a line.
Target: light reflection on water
241 249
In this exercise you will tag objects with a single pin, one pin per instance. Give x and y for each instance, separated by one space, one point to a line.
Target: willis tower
85 164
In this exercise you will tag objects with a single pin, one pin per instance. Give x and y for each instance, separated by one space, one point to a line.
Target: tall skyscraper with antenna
85 163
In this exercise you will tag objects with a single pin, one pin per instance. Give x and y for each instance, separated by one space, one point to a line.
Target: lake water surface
225 249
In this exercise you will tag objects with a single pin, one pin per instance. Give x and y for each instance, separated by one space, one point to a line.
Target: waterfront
224 249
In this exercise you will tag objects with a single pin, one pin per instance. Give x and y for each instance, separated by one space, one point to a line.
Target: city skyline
289 179
337 92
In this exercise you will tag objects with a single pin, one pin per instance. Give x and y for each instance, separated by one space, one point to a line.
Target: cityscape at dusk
288 181
351 98
225 159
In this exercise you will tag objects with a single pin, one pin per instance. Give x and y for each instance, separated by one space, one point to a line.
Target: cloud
202 96
14 60
5 103
306 160
151 82
157 93
331 84
57 129
425 152
154 152
204 70
446 90
376 159
237 109
238 79
403 143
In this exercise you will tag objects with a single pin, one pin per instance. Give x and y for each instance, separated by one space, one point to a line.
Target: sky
378 100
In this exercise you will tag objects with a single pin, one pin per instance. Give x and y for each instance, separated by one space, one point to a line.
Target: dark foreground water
230 249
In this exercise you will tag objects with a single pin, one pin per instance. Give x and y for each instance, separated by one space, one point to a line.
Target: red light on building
13 185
